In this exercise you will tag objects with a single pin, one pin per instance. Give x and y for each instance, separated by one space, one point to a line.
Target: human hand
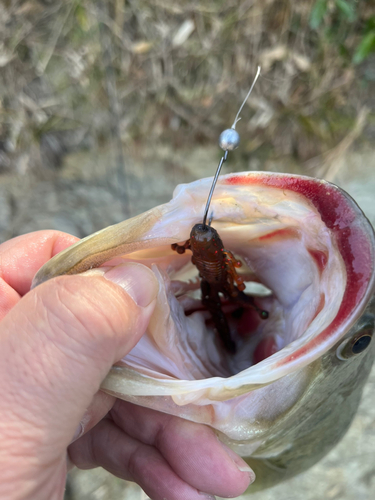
57 343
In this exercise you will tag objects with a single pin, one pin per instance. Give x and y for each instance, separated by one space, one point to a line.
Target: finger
192 450
132 460
22 257
58 343
98 409
8 298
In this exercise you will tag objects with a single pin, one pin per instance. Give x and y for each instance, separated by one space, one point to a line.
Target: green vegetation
340 21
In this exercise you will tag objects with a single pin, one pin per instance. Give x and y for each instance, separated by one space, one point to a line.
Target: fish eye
358 343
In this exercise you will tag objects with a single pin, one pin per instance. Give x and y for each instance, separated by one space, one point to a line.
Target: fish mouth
303 241
296 275
306 262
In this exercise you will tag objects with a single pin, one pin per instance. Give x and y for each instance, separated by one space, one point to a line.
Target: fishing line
228 141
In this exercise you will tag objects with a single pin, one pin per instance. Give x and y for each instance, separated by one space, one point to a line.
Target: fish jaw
352 239
262 218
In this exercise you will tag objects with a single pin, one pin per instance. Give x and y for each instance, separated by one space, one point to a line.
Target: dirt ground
97 98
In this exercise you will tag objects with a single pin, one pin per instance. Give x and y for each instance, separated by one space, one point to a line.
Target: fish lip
343 220
345 213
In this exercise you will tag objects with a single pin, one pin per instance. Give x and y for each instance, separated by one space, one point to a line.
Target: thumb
58 343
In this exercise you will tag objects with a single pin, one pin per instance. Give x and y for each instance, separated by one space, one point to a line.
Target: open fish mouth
308 259
291 388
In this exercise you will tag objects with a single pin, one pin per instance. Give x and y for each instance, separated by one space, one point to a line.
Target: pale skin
57 342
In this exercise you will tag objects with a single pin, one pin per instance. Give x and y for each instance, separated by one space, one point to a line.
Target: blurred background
105 106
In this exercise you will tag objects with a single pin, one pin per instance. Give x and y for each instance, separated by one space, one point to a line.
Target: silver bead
229 139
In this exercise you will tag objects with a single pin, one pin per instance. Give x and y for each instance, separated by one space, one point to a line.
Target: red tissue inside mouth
281 234
320 258
248 322
246 326
264 349
352 238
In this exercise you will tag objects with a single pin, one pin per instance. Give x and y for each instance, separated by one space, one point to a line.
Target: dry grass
80 74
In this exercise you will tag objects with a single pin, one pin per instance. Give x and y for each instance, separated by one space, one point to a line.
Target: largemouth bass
289 392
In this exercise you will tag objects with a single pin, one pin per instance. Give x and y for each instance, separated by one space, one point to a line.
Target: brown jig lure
217 266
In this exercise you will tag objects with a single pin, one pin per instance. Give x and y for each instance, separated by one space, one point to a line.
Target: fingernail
239 462
137 280
78 433
81 426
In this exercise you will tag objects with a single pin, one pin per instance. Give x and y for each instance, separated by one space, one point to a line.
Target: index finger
22 257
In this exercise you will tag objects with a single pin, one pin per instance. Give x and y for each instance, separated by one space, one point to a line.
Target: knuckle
134 463
86 310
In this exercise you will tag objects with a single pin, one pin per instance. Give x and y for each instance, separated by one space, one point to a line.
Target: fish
290 390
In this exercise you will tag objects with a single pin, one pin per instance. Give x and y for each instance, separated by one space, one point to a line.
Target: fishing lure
216 265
